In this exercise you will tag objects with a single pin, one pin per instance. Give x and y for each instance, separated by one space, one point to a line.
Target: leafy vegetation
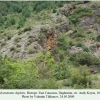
79 13
58 68
84 58
23 10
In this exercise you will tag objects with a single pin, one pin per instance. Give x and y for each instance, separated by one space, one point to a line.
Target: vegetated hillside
49 45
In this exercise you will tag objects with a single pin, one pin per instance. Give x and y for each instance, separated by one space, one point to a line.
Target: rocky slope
27 43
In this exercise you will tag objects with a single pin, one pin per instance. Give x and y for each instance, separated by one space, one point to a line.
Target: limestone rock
74 49
87 22
63 27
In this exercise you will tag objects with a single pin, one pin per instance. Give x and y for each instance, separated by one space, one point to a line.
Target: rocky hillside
28 41
62 37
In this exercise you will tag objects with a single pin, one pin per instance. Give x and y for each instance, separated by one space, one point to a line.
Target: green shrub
61 71
61 54
3 43
1 20
81 77
63 42
79 44
19 32
80 12
12 48
21 22
9 36
18 75
41 38
54 10
83 11
68 82
85 49
73 18
26 12
98 38
48 84
17 39
31 51
83 58
27 29
10 21
80 34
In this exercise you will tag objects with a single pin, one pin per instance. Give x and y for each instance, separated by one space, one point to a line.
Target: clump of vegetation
80 12
63 42
41 38
3 43
54 11
17 39
19 32
11 21
12 48
31 51
18 45
84 58
98 38
62 71
81 77
27 29
21 22
48 69
9 36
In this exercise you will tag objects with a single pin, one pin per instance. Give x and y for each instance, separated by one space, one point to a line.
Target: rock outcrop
94 69
63 26
66 10
87 22
74 49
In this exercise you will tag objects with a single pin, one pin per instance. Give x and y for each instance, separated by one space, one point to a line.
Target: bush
16 74
27 29
61 54
61 71
10 21
80 12
26 12
85 49
1 20
17 39
73 18
54 10
81 77
98 38
41 38
48 84
68 82
12 48
21 22
83 58
31 51
9 36
63 42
